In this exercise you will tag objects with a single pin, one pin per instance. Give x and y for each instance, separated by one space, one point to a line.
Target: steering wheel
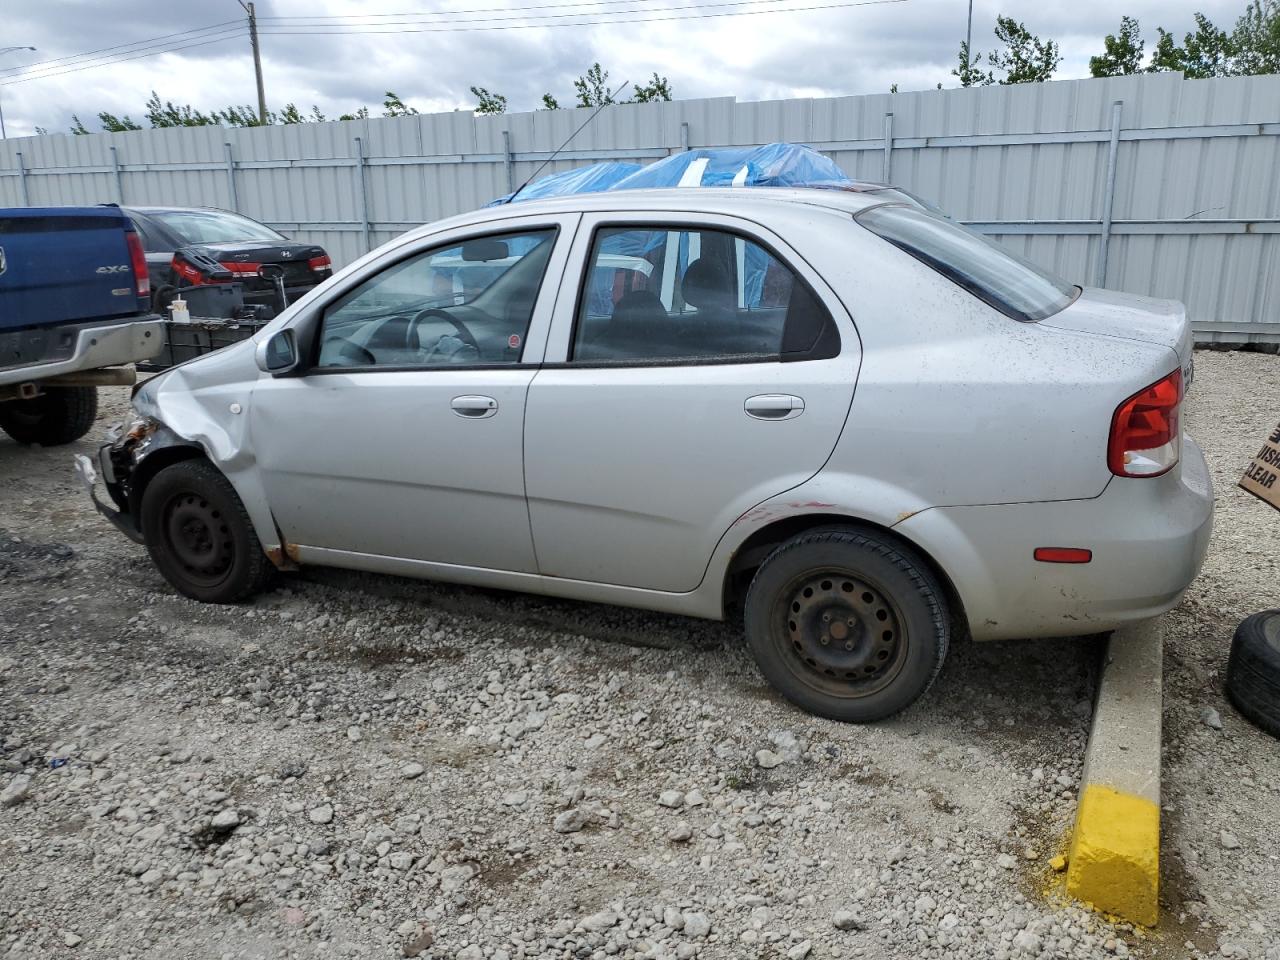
411 331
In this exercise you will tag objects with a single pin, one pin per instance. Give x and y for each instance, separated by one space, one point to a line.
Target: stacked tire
1253 670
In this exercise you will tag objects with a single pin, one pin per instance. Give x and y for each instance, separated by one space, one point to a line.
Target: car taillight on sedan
320 264
1146 439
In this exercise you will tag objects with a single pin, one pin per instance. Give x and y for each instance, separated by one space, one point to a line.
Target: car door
701 369
403 438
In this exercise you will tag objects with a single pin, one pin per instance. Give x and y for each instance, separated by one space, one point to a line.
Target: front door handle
774 406
474 407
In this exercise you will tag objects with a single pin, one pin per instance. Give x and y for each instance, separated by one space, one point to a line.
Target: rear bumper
1148 537
93 346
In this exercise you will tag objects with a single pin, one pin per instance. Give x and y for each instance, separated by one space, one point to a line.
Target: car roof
147 210
746 202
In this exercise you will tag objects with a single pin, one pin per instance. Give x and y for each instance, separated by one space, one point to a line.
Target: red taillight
138 259
187 271
244 269
1145 437
321 262
1063 554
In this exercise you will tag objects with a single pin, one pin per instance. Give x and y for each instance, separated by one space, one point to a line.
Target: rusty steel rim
841 633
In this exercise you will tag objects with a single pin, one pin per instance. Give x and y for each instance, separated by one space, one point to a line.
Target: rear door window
997 276
654 294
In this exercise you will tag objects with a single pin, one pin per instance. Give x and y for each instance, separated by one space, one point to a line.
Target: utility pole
968 42
257 60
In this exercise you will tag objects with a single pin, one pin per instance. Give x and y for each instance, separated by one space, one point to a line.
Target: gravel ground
369 767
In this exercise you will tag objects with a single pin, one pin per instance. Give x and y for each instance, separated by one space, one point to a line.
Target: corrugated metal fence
1151 184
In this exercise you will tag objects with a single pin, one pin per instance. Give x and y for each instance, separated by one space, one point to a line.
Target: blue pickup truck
75 307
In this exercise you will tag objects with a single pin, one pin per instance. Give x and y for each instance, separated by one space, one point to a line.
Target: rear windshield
995 275
212 226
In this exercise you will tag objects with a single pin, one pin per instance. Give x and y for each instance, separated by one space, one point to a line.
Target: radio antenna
560 148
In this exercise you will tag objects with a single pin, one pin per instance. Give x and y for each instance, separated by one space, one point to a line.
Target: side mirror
278 354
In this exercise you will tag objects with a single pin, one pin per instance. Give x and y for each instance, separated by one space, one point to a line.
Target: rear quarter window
997 276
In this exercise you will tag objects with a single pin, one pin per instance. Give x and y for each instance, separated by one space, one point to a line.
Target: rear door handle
474 407
774 406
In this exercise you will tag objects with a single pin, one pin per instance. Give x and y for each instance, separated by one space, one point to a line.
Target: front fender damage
198 409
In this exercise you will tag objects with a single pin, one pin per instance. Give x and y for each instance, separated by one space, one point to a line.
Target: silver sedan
857 422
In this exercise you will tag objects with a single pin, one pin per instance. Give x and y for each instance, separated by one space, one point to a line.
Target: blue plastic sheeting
592 179
772 165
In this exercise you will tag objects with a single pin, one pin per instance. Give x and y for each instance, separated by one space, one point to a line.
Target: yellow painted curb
1114 863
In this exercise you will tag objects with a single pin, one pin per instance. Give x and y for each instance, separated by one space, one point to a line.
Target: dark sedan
186 246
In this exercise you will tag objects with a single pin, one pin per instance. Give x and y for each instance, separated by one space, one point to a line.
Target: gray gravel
355 766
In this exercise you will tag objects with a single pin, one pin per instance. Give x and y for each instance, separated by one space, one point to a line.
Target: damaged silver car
856 421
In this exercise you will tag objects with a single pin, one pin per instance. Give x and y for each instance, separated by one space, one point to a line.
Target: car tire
1253 670
199 534
59 415
847 624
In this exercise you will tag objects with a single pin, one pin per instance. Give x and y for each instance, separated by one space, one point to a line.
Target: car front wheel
199 535
847 624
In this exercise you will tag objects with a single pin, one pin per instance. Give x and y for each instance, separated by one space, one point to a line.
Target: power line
525 23
140 56
32 67
448 13
523 18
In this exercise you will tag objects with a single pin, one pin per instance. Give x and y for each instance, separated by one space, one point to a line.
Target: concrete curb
1114 860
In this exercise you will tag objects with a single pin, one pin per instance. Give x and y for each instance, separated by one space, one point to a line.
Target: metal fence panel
1194 213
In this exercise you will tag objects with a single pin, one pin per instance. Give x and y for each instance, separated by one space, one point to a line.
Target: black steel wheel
199 535
59 415
847 624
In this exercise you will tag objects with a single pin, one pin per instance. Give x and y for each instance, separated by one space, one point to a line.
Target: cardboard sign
1261 476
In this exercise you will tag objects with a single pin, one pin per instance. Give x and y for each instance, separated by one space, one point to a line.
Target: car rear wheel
1253 670
199 535
847 624
59 415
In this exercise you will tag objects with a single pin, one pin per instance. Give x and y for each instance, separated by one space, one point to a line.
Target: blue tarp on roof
591 179
771 165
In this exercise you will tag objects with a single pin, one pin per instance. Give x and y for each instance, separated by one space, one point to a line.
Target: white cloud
814 53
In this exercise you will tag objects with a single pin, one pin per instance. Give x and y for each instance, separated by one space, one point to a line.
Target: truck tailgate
58 266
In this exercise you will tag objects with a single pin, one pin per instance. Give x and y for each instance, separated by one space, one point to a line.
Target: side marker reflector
1063 555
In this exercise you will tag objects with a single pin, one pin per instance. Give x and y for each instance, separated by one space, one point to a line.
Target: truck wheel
199 535
58 415
847 625
1253 670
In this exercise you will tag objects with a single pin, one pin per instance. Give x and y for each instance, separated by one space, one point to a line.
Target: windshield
214 226
997 276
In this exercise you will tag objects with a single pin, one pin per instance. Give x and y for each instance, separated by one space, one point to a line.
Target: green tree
167 114
658 88
593 87
971 76
549 102
111 123
1122 53
1208 52
489 103
1025 57
1167 56
1255 42
393 106
361 114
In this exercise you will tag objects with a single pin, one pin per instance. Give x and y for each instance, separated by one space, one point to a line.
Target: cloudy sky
308 59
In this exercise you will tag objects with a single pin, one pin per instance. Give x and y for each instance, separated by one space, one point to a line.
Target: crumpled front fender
204 405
